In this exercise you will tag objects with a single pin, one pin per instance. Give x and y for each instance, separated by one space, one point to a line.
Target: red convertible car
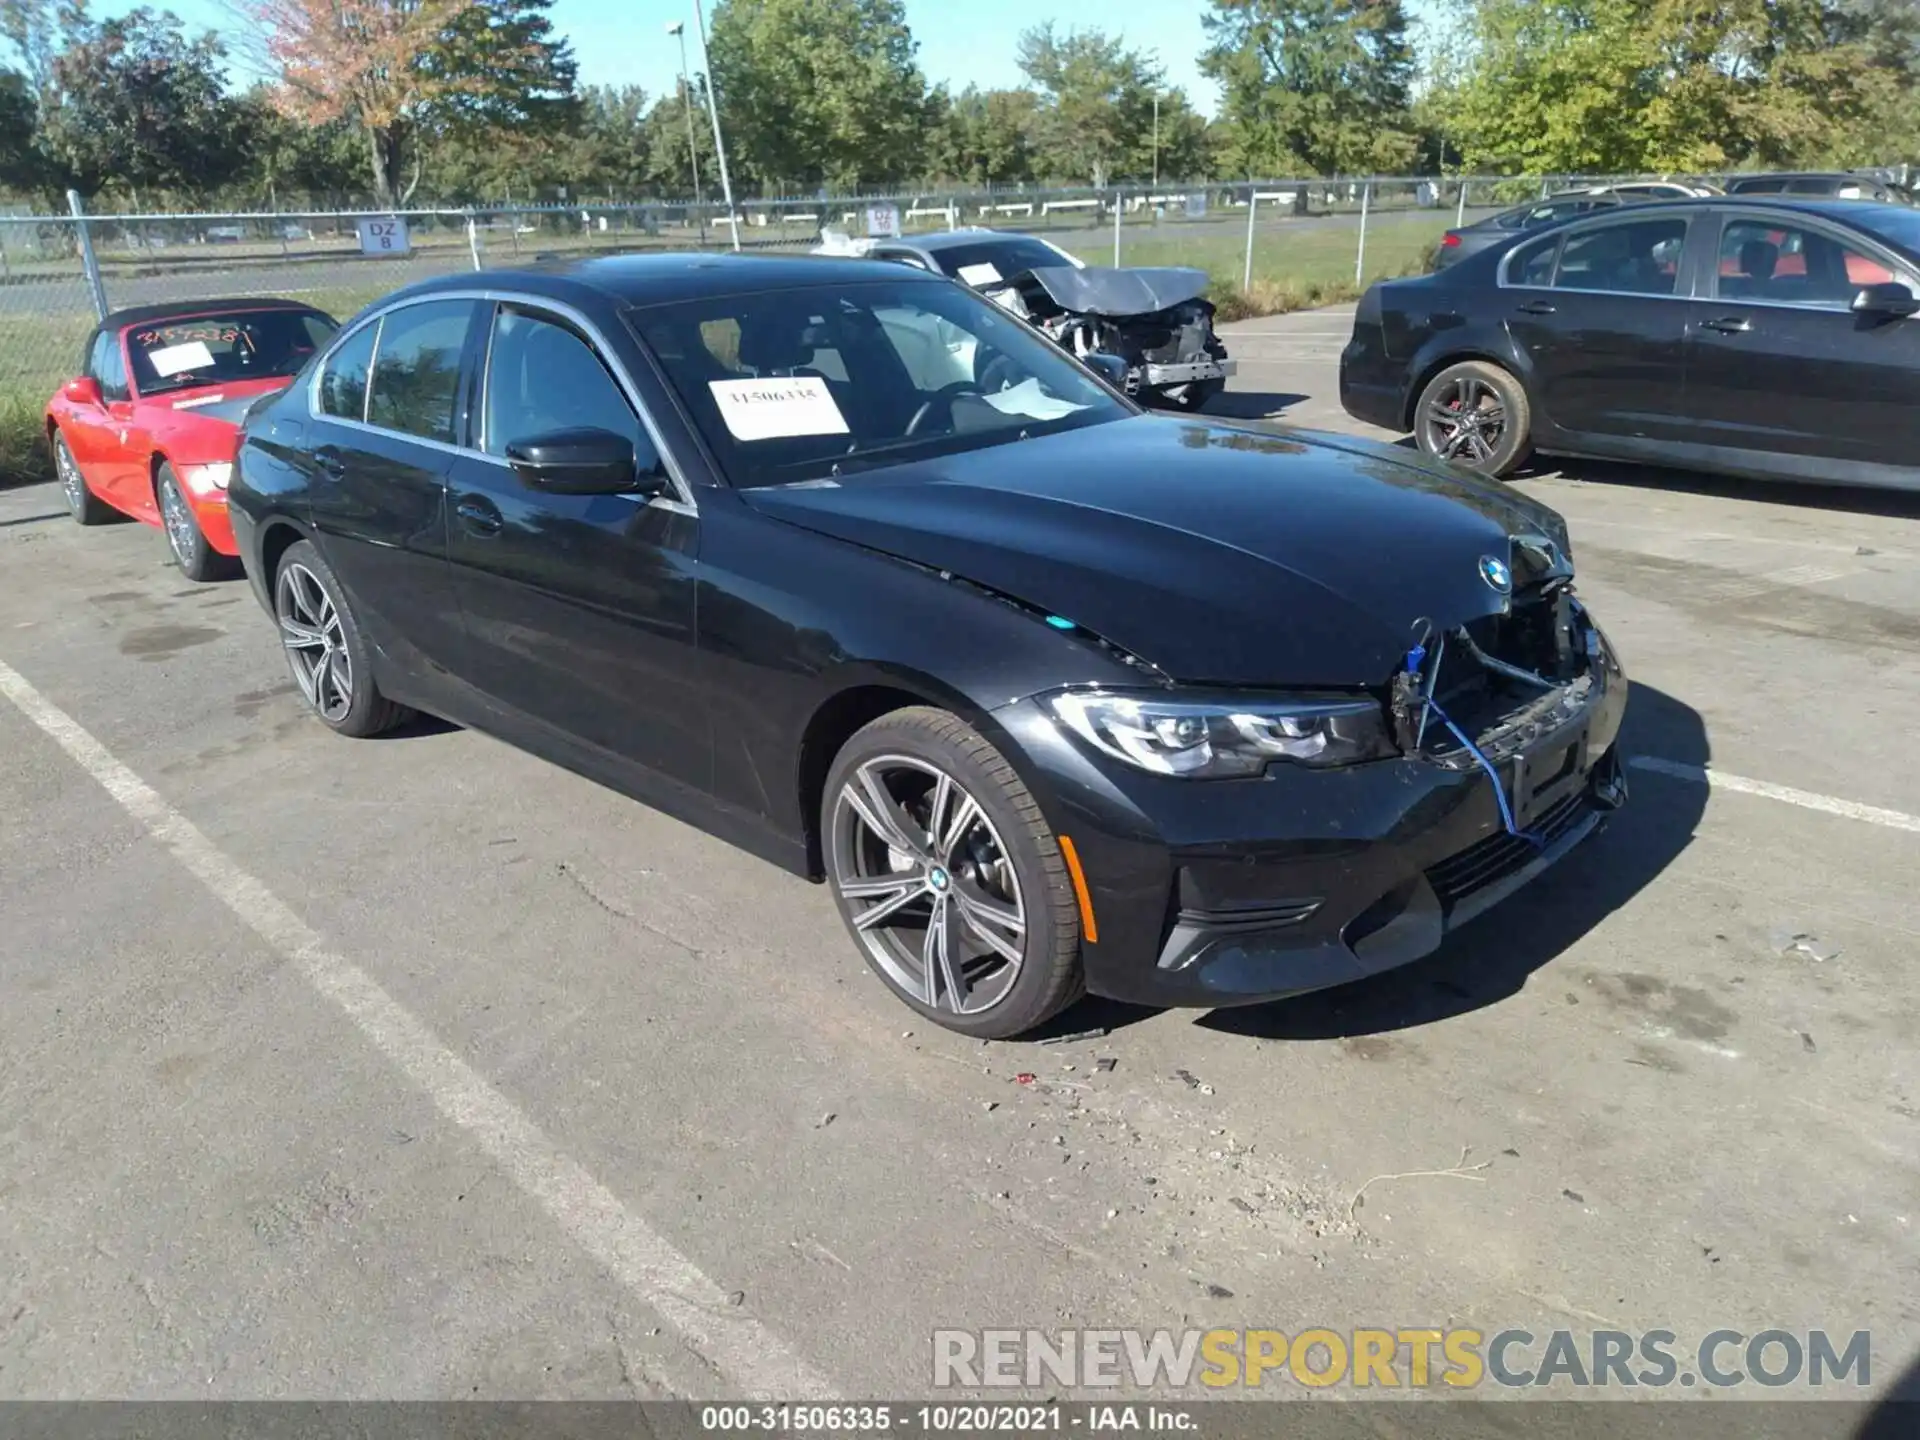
149 425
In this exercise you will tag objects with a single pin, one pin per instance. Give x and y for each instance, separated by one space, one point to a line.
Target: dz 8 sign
386 237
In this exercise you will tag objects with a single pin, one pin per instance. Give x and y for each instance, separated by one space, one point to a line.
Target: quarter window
1640 257
1533 264
343 384
1791 265
416 369
540 377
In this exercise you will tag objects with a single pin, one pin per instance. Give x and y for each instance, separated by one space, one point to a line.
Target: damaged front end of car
1158 321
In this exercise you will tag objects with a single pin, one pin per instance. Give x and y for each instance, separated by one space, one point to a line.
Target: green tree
294 165
1322 86
138 105
817 92
982 137
1682 85
1096 115
668 170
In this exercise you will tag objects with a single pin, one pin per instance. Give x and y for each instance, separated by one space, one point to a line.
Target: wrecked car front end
1158 321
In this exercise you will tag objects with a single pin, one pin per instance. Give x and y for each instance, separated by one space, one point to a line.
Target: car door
1778 364
92 436
125 481
578 609
388 406
1604 329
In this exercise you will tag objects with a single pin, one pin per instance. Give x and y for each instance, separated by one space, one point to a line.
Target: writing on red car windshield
176 356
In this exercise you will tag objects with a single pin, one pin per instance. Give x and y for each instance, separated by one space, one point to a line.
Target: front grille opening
1489 861
1505 680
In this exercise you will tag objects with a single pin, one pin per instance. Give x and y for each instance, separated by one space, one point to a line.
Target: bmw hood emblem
1497 574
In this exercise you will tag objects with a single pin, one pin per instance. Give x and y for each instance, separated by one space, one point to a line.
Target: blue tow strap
1415 657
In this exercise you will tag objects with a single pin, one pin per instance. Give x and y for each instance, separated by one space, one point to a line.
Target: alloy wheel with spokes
313 632
928 883
85 507
1474 414
1469 420
183 535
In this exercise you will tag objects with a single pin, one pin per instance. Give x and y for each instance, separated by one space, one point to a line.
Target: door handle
1729 325
480 516
329 459
1536 307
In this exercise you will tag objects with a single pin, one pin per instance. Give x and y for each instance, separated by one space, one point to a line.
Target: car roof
655 279
1847 177
180 309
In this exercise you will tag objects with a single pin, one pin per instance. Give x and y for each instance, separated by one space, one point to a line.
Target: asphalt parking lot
418 1068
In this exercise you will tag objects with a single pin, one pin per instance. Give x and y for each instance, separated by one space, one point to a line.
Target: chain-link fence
1275 242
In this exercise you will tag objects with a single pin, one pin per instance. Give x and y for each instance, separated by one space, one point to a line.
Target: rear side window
1639 257
1763 186
416 369
1533 264
540 377
343 384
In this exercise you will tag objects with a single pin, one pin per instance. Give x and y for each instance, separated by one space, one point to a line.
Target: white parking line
1805 799
733 1342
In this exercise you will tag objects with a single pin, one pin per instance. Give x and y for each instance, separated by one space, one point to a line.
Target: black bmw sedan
849 566
1758 337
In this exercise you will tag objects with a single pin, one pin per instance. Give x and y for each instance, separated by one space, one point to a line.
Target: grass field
1294 267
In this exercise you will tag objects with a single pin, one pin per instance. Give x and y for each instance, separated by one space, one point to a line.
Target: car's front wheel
948 876
326 650
197 559
1475 414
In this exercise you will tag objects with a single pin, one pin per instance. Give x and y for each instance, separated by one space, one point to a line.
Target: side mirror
1889 298
1110 368
83 390
587 462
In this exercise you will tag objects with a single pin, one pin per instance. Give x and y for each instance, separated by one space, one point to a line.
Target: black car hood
1221 554
1116 293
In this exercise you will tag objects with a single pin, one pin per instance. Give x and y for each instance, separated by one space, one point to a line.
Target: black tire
1013 836
302 575
83 505
186 542
1475 414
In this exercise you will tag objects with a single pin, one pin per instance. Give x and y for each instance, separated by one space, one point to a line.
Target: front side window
837 380
416 369
113 369
1791 265
97 352
541 376
1639 257
343 384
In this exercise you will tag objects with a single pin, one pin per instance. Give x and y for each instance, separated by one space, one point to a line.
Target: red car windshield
172 355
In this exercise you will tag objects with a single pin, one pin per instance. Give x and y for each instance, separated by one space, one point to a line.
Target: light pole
679 31
1156 139
713 110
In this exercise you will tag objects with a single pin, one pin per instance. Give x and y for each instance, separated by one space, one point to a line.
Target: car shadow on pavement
1491 958
1896 1415
1251 404
1856 499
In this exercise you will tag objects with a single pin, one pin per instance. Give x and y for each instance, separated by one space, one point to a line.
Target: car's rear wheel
948 876
197 559
326 650
86 507
1475 414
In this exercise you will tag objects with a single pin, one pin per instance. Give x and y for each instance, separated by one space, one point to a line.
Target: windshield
998 259
214 349
839 379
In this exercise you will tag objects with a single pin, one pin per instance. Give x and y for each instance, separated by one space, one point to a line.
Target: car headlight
213 477
1228 737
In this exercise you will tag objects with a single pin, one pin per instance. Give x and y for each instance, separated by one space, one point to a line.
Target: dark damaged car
848 566
1156 319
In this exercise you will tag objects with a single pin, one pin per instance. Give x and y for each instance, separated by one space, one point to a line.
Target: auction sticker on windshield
778 409
985 273
178 359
